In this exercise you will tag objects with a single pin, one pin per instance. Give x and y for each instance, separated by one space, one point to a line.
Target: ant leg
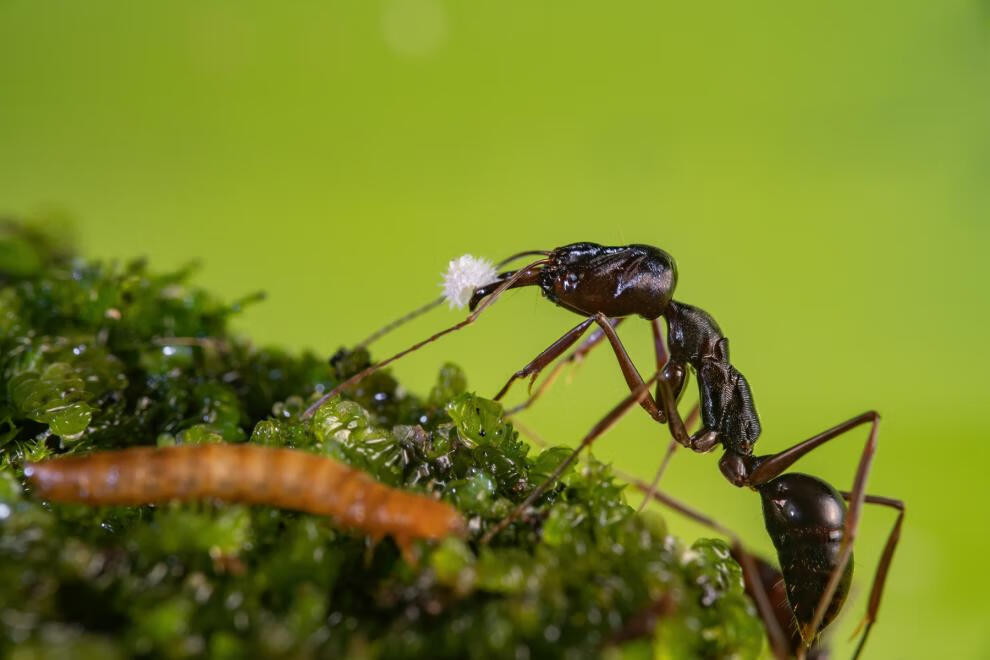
670 386
402 320
577 355
675 374
660 350
756 589
521 277
532 435
598 429
633 379
607 325
662 357
764 606
700 441
768 467
551 353
771 466
880 577
692 417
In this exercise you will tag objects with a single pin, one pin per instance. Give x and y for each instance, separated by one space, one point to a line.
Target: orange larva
251 474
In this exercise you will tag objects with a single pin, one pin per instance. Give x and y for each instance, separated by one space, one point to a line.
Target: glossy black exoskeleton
587 278
806 518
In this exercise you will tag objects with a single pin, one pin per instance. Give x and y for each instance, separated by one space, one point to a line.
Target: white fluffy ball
463 276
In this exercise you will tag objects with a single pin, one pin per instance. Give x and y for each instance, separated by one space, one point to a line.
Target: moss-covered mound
101 356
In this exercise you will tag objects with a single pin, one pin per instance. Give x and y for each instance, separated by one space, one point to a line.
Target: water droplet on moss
71 420
473 493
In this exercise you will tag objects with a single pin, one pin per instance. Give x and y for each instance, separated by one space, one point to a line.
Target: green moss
98 356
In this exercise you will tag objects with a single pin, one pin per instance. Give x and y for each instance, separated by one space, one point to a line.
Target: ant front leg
541 361
576 356
629 371
669 383
551 353
607 328
764 605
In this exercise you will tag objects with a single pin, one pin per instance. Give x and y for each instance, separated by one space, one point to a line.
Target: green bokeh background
819 171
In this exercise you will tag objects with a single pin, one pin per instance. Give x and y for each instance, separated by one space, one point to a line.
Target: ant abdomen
805 518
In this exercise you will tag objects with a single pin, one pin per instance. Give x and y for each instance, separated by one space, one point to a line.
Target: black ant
806 518
603 283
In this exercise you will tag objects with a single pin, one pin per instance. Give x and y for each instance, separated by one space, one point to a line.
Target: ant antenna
419 311
402 320
525 276
519 255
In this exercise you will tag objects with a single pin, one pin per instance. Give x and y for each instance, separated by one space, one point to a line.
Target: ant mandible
806 518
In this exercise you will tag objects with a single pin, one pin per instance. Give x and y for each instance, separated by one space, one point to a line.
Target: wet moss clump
100 356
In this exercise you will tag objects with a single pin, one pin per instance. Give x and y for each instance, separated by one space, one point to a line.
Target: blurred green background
820 172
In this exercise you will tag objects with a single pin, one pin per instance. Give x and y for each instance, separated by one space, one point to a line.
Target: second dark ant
806 518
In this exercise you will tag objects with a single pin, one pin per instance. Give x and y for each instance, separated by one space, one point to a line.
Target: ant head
481 282
617 281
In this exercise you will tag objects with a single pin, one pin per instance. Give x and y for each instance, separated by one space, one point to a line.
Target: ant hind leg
764 605
693 416
880 576
603 425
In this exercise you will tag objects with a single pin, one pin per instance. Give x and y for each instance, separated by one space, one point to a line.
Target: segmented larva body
251 474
